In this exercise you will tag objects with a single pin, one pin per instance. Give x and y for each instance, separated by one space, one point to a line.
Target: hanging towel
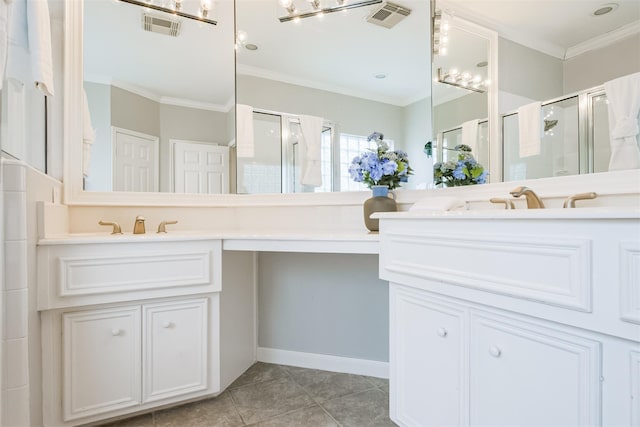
88 136
624 104
311 172
470 135
5 11
29 56
530 129
245 144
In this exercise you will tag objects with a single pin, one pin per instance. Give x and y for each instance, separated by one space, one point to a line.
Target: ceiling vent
388 14
160 25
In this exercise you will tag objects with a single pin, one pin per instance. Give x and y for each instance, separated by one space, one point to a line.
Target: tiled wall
15 373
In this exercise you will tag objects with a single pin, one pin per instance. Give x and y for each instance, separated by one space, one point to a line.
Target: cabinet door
427 373
101 361
526 374
175 348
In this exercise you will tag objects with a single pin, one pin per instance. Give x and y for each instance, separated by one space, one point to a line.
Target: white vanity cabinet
527 373
174 348
433 353
536 334
100 361
117 340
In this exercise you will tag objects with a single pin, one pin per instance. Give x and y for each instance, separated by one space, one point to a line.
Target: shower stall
575 138
275 163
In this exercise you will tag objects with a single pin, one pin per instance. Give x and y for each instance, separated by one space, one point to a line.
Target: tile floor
268 395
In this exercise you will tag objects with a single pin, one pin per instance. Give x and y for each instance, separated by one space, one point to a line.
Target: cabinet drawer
522 373
550 269
83 274
101 360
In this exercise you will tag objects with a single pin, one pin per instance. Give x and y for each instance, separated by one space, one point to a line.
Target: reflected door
200 168
135 161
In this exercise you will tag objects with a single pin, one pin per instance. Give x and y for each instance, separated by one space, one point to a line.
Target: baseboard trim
324 362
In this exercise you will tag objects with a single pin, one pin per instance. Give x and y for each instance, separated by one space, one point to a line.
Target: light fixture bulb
286 3
454 71
242 36
477 78
443 51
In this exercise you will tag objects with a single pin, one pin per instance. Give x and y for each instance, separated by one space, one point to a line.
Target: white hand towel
30 37
437 204
311 172
624 105
245 143
470 135
530 129
88 136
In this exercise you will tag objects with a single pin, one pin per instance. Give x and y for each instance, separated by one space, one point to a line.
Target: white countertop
317 241
502 214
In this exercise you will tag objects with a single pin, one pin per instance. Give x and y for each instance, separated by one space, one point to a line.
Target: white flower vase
380 202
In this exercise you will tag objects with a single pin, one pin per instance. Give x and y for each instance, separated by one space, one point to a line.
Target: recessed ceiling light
605 8
482 64
380 76
251 46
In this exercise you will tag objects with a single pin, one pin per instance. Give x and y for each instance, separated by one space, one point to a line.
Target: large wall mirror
160 95
162 105
552 64
351 73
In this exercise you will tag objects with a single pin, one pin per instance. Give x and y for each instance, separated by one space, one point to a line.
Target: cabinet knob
442 332
495 351
167 324
116 332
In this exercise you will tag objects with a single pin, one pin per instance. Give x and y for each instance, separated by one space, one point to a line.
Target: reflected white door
200 168
135 161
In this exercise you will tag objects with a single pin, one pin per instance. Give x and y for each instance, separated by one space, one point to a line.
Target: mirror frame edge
495 130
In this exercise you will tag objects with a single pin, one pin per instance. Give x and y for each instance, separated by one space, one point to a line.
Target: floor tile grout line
235 405
330 416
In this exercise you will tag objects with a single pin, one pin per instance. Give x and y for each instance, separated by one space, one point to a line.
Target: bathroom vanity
513 317
134 322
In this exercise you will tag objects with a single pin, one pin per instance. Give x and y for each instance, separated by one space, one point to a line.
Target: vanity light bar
315 12
176 12
462 80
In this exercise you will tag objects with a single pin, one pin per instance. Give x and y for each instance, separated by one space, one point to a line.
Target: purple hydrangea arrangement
464 170
381 166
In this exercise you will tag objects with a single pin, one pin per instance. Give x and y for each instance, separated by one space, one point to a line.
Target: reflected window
350 147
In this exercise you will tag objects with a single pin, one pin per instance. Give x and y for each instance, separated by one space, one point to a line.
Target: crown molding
604 40
165 100
248 70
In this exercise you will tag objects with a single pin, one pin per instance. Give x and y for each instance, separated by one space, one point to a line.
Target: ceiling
340 52
555 27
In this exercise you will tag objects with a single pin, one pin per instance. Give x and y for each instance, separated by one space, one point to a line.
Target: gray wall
417 131
455 112
595 67
527 72
134 112
352 115
323 303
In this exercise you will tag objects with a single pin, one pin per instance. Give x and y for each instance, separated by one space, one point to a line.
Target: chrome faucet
533 201
138 227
